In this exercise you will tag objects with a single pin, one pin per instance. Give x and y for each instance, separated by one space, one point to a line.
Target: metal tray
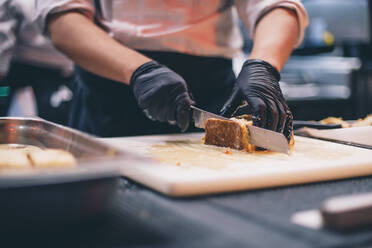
95 159
36 198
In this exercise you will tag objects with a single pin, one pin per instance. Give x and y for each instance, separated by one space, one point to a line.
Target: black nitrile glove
258 85
162 94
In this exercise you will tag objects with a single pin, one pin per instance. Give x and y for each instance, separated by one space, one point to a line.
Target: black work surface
139 217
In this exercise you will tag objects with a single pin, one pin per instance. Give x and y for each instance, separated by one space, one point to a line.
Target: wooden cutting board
184 166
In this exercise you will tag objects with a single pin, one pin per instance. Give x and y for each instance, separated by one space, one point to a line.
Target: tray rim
85 170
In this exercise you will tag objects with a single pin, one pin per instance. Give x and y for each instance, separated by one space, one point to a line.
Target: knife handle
347 212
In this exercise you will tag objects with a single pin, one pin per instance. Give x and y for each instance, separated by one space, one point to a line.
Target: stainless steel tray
31 198
95 159
45 134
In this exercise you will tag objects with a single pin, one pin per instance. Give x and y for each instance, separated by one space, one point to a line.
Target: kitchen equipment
32 199
316 87
297 124
340 213
190 168
347 212
260 137
200 116
355 136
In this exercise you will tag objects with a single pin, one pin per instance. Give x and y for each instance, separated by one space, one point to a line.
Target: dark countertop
140 217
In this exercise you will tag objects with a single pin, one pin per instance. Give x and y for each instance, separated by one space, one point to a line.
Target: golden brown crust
231 133
227 133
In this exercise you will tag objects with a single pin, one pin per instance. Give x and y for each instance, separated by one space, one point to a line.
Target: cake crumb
178 163
227 151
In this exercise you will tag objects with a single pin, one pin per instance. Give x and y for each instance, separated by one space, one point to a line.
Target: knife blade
200 117
260 137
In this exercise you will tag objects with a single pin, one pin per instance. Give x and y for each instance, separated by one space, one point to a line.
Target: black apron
45 83
107 108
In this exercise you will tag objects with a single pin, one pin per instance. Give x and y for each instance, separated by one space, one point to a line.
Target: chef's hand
162 94
258 85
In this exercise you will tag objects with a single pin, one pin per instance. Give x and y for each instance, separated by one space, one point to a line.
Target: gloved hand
258 85
162 94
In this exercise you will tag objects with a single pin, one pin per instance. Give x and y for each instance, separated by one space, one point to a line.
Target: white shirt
204 28
22 41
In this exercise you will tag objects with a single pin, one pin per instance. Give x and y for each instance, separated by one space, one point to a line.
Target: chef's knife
260 137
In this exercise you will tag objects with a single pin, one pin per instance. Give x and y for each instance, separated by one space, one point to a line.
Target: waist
199 71
22 73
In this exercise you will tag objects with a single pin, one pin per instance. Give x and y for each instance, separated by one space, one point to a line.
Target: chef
142 64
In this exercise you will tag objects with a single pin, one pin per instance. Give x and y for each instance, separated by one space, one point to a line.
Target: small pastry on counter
335 120
363 122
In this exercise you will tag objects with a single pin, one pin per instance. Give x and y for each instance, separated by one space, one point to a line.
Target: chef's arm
93 49
275 37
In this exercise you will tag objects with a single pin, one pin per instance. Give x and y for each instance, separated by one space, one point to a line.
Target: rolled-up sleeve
8 28
45 8
251 11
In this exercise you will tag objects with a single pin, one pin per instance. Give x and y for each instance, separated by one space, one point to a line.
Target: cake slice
231 133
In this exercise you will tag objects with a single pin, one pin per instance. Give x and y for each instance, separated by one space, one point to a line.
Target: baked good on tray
335 120
51 158
15 156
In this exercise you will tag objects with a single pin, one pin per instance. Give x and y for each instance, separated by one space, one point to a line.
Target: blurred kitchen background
329 75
